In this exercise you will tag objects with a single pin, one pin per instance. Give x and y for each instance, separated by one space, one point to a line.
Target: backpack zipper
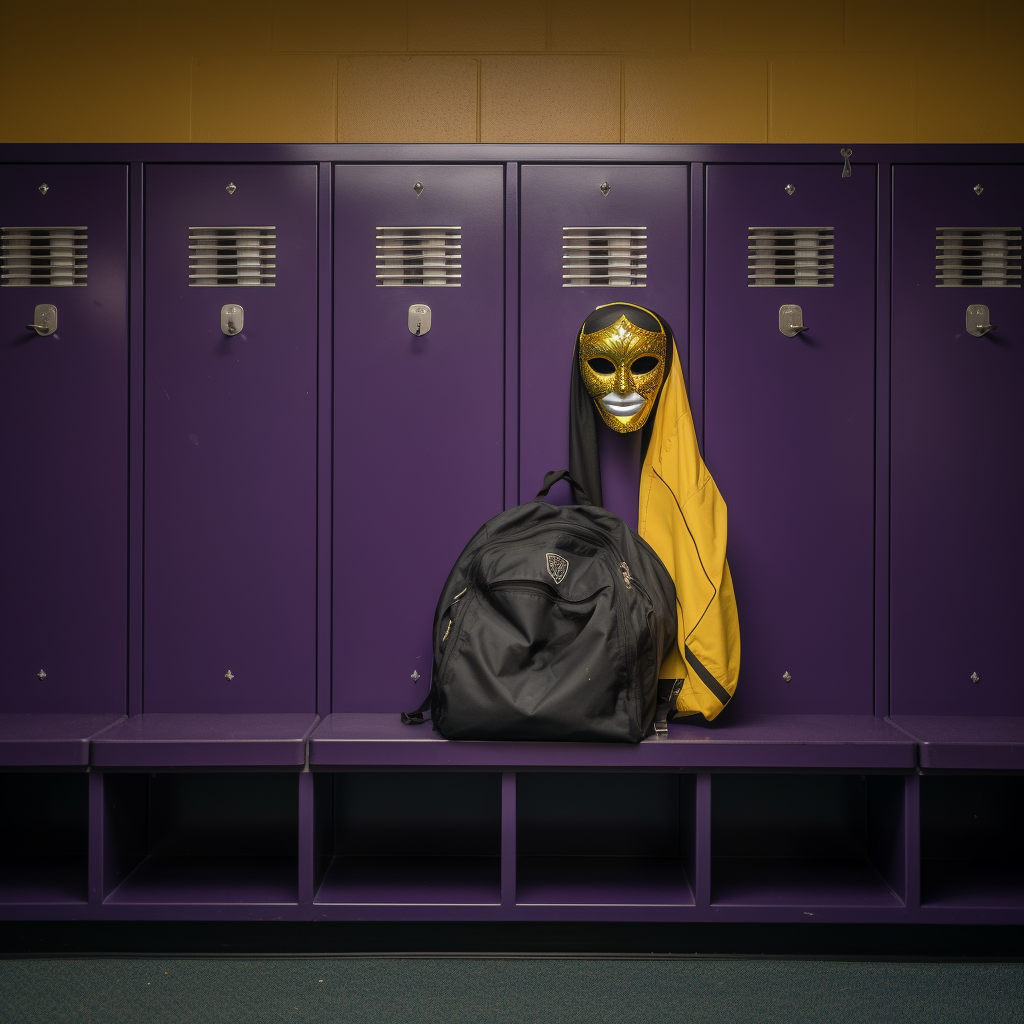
455 601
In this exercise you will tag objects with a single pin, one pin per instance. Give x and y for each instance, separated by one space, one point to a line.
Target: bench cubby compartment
972 840
605 838
45 838
808 840
200 838
413 838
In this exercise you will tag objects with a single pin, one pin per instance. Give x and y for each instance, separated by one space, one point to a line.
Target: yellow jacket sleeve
683 517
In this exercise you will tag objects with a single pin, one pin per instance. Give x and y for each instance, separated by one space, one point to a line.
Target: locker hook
979 321
419 320
847 169
45 317
232 319
791 321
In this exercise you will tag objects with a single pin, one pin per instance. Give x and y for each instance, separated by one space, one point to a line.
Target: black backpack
552 626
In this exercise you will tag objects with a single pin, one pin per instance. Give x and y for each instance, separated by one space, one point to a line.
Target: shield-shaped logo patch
557 566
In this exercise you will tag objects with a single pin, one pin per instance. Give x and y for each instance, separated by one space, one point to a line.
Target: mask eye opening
600 365
645 364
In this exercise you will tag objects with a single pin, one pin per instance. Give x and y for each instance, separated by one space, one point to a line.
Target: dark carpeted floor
451 990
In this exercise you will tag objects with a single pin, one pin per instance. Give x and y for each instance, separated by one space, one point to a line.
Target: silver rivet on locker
40 675
419 319
230 188
414 676
978 189
605 188
975 678
229 675
418 188
232 319
790 189
44 188
847 169
786 677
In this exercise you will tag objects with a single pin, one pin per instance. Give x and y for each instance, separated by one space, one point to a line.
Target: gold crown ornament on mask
622 367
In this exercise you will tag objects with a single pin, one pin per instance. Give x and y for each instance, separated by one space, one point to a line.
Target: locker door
957 436
642 219
63 419
789 427
418 420
230 439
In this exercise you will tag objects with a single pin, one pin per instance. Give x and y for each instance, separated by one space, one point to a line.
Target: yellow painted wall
600 71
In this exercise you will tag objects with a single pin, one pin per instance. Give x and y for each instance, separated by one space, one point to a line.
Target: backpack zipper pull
455 601
627 579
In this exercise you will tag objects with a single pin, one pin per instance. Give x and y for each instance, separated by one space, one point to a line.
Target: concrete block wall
596 71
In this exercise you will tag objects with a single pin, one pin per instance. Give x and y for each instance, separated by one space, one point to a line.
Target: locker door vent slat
604 257
44 257
790 257
418 256
224 257
977 257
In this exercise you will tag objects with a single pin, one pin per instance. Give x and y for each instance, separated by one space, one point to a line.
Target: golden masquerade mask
622 367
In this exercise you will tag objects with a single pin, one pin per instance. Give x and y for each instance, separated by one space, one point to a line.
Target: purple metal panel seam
96 826
136 432
325 436
703 851
508 839
912 841
575 153
695 294
512 302
306 851
883 333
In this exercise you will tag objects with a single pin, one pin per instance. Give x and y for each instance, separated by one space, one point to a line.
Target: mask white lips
622 405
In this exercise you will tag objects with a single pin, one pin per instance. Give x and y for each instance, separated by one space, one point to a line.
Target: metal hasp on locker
230 547
64 456
957 435
418 415
592 235
789 426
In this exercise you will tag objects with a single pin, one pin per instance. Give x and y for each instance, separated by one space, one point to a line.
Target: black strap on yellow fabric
707 678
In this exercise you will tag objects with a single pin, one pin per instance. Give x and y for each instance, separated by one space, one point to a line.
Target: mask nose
623 379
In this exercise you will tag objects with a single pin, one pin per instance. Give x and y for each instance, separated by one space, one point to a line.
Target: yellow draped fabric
683 517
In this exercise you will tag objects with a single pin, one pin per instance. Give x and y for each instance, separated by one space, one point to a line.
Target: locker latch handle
45 317
791 321
232 319
419 320
978 318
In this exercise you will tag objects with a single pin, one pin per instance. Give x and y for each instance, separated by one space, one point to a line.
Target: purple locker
957 434
558 292
789 427
418 419
63 417
230 552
